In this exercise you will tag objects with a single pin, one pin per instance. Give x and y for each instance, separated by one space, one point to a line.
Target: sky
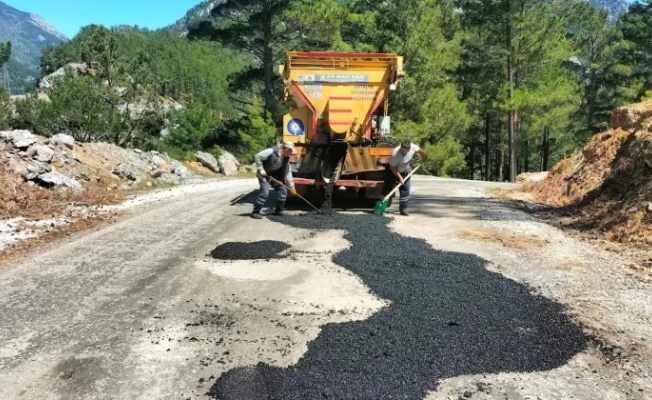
69 16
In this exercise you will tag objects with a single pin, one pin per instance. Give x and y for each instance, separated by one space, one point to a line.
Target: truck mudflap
354 183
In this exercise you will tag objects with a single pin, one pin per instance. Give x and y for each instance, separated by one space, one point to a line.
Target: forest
493 88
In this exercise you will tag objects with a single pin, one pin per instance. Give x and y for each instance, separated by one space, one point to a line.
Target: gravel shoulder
490 304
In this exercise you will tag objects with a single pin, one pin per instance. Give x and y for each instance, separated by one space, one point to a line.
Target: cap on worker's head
288 145
406 143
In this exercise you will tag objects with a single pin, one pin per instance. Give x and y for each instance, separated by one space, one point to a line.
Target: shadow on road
341 201
449 316
475 208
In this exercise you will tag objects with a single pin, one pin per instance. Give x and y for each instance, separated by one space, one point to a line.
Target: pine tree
266 30
5 52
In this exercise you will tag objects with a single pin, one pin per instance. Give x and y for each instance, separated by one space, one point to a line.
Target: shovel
298 195
381 205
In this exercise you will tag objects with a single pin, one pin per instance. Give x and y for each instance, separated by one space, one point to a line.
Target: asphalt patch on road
262 250
449 316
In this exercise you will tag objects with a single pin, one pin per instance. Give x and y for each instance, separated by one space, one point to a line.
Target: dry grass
505 239
26 199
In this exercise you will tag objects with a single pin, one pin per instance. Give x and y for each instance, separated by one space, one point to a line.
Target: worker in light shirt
399 167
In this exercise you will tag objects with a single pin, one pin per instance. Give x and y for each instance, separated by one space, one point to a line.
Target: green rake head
380 207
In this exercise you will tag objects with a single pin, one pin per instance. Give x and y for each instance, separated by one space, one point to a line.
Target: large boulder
180 170
48 81
125 172
19 138
208 161
158 161
228 164
40 152
37 168
61 139
56 179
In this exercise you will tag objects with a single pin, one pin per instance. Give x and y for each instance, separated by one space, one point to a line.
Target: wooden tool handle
301 197
399 185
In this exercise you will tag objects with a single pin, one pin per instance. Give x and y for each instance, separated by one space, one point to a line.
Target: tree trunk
268 64
500 158
487 156
591 102
526 157
512 113
545 149
472 163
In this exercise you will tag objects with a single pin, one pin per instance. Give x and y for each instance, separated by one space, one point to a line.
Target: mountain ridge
29 34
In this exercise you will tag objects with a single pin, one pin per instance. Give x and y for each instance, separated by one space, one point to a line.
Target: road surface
191 299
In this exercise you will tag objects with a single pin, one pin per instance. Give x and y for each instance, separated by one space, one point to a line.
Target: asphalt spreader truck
339 119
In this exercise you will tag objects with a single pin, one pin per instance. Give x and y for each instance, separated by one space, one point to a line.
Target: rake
381 205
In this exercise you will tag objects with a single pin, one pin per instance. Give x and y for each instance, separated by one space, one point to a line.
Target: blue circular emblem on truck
295 127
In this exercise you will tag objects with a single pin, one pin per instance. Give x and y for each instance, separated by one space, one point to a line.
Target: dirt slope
608 184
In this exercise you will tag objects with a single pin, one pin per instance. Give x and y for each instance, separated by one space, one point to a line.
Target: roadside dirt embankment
606 187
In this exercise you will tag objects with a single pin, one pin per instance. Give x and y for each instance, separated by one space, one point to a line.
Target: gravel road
191 299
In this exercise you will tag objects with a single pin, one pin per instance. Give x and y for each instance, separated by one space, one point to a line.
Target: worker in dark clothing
398 168
274 162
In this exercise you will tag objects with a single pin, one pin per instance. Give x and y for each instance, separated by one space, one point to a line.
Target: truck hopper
339 117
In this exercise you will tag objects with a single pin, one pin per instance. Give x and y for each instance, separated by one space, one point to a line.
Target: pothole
262 250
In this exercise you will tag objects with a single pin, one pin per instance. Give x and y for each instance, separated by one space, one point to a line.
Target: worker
398 168
274 162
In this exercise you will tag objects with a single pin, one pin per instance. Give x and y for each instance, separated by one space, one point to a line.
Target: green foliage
5 110
429 106
250 134
636 28
265 30
5 53
445 158
134 77
441 114
189 129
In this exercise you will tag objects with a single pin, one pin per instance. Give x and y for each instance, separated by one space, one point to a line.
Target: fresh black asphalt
449 316
264 249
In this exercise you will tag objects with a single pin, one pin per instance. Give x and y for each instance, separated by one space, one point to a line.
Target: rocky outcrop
61 139
19 138
208 161
228 164
77 68
59 162
56 179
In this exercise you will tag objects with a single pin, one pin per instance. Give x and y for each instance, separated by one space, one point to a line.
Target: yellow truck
339 118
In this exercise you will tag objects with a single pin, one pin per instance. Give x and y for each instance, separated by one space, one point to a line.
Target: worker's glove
293 192
262 173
